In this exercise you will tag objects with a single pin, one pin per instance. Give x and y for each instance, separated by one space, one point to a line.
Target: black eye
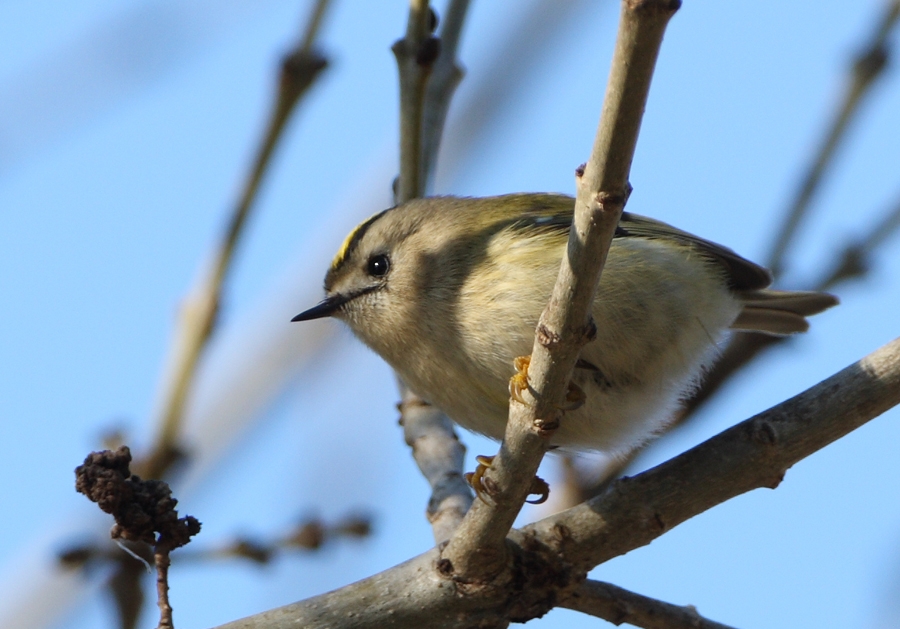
379 265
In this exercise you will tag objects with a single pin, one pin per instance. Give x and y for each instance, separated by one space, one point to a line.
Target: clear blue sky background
125 129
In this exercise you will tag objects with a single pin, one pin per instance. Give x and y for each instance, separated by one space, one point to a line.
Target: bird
448 290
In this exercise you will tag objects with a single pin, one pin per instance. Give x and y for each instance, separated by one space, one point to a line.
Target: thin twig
415 55
477 549
313 26
310 534
429 74
162 561
618 606
866 68
854 261
445 77
299 69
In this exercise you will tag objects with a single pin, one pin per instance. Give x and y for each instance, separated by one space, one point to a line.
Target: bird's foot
519 382
575 398
484 486
538 486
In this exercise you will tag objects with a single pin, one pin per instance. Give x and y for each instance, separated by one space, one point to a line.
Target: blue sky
124 133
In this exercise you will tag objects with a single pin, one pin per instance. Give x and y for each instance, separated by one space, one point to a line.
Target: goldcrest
449 291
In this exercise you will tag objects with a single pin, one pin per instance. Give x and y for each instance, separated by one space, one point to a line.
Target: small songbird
449 291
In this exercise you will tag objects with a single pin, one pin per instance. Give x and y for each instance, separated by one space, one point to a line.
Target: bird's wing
554 213
742 274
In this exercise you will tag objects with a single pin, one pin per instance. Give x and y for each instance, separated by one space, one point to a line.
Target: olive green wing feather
555 212
768 311
741 273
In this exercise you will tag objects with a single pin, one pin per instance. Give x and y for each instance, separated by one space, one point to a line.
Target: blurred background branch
299 70
743 348
429 74
866 68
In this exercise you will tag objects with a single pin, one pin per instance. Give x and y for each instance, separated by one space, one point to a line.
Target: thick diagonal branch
753 454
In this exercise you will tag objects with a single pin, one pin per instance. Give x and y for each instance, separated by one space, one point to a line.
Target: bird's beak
325 308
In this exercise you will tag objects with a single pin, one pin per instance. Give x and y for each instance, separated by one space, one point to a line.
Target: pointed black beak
326 308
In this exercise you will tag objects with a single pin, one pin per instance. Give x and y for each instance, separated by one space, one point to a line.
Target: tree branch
429 74
618 606
411 595
755 453
415 55
477 550
548 559
445 78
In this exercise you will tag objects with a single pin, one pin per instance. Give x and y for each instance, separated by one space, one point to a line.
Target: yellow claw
575 396
476 478
482 485
519 382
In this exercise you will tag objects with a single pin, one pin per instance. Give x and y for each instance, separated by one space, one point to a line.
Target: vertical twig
429 75
477 549
162 561
445 78
415 55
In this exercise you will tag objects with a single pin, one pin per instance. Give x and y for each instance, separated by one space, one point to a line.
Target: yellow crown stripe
352 239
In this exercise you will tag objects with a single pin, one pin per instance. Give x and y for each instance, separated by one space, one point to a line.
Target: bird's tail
780 312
